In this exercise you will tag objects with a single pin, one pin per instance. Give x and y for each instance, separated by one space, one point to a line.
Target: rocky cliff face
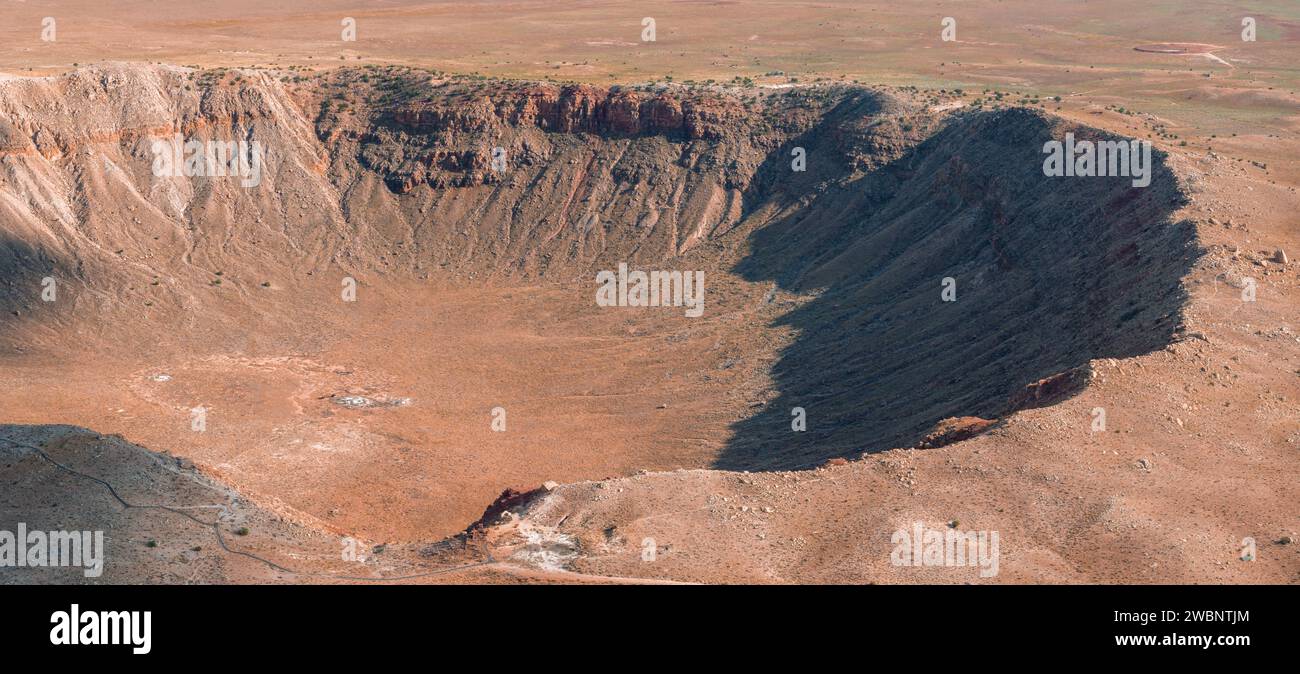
450 138
579 109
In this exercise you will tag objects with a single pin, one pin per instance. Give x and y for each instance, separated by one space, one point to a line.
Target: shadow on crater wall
23 270
1049 272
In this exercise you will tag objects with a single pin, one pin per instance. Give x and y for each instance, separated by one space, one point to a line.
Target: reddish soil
1115 389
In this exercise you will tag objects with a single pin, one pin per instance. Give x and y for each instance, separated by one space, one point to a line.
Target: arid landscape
378 352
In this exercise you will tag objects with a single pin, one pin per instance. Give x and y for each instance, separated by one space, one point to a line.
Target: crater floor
584 393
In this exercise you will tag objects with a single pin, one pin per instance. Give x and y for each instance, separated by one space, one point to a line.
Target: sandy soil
582 389
628 413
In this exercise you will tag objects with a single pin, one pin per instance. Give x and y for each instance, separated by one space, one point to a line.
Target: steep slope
1045 273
